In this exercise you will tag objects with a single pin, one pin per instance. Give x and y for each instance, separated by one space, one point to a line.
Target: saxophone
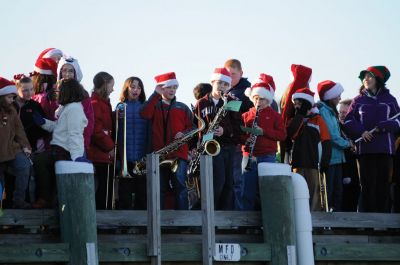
140 166
210 147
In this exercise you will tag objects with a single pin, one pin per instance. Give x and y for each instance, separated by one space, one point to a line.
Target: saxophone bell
212 148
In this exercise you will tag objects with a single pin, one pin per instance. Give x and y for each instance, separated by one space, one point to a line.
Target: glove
346 181
82 159
389 125
38 119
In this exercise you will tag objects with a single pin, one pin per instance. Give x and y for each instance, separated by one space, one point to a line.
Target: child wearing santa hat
329 93
44 84
15 148
306 130
264 125
225 134
170 119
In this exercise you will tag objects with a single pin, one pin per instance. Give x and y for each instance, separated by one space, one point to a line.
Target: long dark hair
70 91
100 81
4 106
125 89
330 104
39 79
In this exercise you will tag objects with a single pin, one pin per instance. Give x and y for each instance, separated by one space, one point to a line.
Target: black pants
375 171
132 193
102 172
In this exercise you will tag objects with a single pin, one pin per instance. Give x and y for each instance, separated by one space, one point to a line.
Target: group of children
49 116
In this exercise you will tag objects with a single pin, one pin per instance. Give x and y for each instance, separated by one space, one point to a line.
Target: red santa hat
168 79
46 66
7 87
221 74
304 93
329 90
266 79
262 89
49 52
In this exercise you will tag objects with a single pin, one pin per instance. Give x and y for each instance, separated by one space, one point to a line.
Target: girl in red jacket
261 144
101 149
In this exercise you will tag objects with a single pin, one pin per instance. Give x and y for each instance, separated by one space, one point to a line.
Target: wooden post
278 218
207 208
77 209
153 208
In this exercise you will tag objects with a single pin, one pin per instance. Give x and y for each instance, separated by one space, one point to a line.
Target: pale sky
336 38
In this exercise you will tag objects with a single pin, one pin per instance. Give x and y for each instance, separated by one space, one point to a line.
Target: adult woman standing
373 108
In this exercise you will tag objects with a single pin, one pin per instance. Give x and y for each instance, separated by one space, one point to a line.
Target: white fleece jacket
68 129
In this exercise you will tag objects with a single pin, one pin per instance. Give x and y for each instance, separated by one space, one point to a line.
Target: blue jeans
20 166
334 183
223 178
178 182
237 177
250 188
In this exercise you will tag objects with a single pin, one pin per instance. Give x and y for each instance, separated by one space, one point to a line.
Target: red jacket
272 124
179 119
102 141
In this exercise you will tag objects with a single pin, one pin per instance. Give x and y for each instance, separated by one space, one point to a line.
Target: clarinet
253 139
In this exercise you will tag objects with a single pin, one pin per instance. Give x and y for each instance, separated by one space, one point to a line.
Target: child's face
110 87
10 98
369 81
169 92
335 101
343 109
220 86
25 91
67 71
260 102
134 90
236 74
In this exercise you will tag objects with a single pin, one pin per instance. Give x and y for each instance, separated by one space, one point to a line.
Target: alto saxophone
140 166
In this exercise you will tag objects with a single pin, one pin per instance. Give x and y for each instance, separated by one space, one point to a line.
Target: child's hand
159 89
219 131
179 135
27 151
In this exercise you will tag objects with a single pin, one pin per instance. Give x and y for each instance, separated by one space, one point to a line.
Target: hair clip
19 76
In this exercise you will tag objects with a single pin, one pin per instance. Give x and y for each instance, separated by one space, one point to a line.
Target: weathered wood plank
174 252
193 218
153 206
207 208
349 252
34 253
356 220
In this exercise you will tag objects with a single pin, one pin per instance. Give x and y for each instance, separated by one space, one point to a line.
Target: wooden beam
174 252
207 208
356 220
34 253
357 252
153 208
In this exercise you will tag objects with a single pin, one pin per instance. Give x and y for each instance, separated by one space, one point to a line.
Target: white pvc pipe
301 196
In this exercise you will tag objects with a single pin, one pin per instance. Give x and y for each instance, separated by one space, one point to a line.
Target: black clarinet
253 138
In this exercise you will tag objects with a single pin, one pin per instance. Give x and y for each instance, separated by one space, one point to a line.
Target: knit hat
50 52
168 79
329 90
304 93
46 66
72 61
221 74
7 87
262 89
377 71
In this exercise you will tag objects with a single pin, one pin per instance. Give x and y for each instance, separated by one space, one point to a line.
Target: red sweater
272 124
102 141
166 125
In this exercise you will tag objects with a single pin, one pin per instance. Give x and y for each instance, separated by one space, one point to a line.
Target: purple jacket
368 111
